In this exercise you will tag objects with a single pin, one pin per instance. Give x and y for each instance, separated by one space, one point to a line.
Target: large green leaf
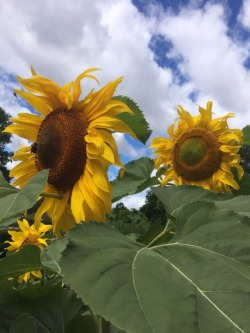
13 201
199 282
38 309
137 122
246 135
25 260
136 178
176 197
238 204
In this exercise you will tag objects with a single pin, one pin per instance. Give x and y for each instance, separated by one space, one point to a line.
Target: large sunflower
73 139
201 151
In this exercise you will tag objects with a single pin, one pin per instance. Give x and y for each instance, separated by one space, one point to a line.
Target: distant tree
153 209
245 158
5 155
128 221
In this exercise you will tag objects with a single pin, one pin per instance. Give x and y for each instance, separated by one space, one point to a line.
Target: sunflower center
193 150
197 155
61 147
31 240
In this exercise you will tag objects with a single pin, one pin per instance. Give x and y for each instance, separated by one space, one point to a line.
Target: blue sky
170 52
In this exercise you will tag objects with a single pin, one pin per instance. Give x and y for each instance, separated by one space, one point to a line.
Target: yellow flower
201 151
28 235
73 139
26 276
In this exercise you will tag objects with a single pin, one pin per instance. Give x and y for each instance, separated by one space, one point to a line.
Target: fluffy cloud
211 60
204 59
244 15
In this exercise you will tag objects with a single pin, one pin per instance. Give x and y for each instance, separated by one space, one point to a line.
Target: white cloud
133 201
126 149
61 41
212 61
244 15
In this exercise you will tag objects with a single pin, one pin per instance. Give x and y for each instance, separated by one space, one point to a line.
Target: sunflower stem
161 234
104 326
51 195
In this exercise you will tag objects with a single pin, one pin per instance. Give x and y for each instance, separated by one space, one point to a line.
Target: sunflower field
65 269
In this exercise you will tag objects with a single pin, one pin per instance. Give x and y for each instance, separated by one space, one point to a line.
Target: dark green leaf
82 324
246 135
50 309
26 323
51 255
137 177
13 201
199 282
103 278
137 122
155 229
175 197
18 263
4 184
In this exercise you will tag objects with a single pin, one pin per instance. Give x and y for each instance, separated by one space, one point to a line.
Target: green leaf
155 229
39 309
51 254
175 198
26 323
238 204
3 183
137 122
199 282
18 263
13 201
137 177
246 135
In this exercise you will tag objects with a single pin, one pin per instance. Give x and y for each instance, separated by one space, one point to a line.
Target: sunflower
201 151
28 235
73 139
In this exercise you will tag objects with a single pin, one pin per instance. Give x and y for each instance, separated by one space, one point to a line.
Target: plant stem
161 234
51 195
104 326
96 320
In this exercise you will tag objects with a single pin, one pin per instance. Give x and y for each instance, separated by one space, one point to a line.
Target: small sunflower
28 235
73 139
201 151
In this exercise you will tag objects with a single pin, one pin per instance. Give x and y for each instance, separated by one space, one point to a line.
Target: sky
170 52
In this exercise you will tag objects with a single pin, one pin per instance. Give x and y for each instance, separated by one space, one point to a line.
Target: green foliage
190 284
38 309
128 221
137 122
18 263
14 201
154 209
175 198
136 178
245 158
